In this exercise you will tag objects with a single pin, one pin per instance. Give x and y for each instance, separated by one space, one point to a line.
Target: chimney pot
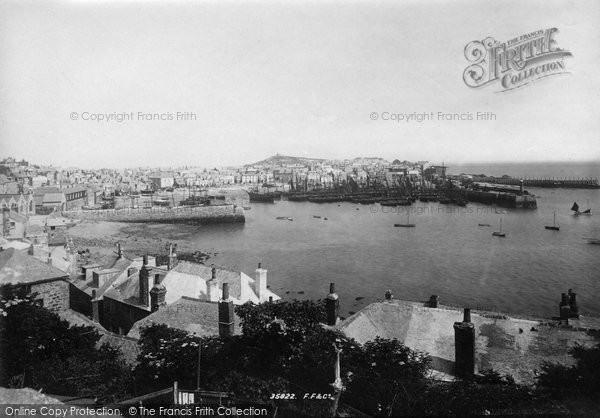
259 265
213 272
332 305
573 305
565 312
225 291
467 315
389 295
145 262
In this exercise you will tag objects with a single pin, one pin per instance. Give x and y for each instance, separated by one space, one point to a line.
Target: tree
40 350
388 377
583 377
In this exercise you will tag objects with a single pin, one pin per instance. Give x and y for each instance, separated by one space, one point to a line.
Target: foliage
584 376
473 397
40 350
388 377
284 348
169 355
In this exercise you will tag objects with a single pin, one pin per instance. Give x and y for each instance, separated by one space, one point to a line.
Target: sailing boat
575 208
407 224
499 233
553 227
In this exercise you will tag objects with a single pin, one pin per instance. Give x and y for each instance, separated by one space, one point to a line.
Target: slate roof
187 314
17 267
50 198
128 346
508 345
125 288
183 280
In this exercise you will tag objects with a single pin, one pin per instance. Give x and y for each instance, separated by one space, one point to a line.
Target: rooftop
508 345
17 267
187 314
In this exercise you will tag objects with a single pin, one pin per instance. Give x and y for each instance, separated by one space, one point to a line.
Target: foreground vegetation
284 348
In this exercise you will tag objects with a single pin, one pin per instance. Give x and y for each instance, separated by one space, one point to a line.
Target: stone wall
119 317
55 294
80 301
180 214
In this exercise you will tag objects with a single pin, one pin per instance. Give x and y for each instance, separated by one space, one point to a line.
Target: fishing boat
499 233
576 212
485 225
161 201
407 224
553 227
285 218
316 216
593 241
461 202
256 197
195 201
246 207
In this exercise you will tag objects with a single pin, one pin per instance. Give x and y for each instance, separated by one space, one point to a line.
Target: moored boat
553 227
499 233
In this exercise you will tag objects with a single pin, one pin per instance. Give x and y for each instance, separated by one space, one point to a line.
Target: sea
447 253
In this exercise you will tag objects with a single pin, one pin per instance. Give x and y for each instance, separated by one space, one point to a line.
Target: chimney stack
212 287
119 252
49 261
389 295
157 294
30 250
332 305
434 301
564 308
464 346
260 283
172 259
144 284
573 304
226 325
95 307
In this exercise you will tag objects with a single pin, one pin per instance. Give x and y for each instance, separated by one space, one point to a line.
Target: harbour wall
191 215
588 183
507 200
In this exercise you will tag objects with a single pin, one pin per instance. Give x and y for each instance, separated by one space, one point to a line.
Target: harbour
448 253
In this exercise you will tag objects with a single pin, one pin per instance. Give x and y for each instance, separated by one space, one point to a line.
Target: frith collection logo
514 63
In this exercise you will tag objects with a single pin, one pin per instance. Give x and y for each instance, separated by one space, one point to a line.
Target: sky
295 78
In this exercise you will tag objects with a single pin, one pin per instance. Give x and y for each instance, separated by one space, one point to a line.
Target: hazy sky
294 78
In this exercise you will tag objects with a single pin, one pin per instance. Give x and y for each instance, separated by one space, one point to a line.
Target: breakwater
503 199
577 183
191 215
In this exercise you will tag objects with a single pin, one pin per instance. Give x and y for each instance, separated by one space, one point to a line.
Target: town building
23 204
21 270
461 342
162 180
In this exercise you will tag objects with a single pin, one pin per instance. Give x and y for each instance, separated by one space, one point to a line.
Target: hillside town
126 290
